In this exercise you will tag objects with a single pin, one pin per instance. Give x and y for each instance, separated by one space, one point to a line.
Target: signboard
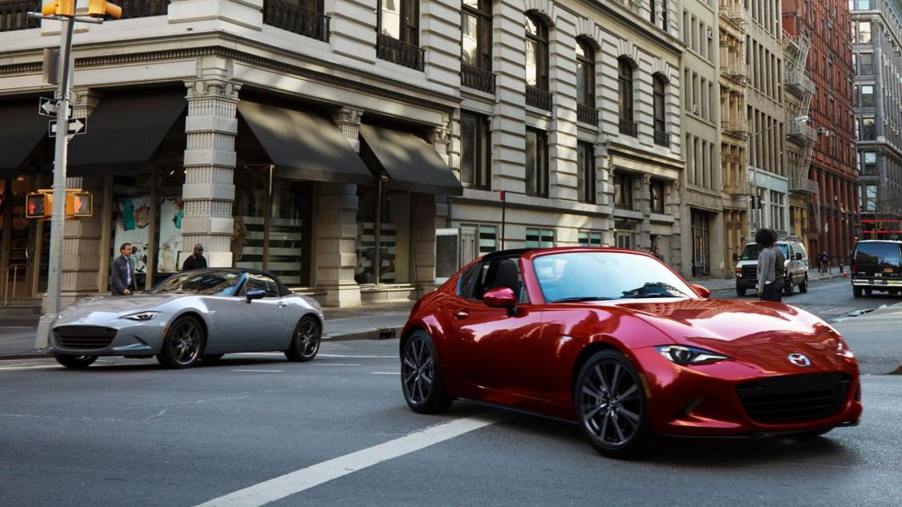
77 126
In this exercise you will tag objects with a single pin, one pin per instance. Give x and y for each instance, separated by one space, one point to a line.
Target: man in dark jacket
122 274
195 260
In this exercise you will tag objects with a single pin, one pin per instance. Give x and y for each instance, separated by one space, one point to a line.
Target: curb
831 277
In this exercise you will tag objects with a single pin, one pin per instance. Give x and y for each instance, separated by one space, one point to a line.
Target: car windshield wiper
581 298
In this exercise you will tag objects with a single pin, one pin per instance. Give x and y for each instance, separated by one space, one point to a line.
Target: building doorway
24 242
701 245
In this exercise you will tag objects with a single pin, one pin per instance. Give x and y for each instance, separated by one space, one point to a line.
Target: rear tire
183 344
740 292
787 287
803 287
308 335
856 291
421 379
75 362
611 408
868 292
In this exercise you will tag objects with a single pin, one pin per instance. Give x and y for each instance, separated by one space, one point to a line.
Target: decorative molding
348 116
544 7
659 66
588 29
628 49
212 88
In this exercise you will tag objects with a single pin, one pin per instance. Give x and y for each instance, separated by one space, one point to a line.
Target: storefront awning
124 131
411 162
304 146
21 129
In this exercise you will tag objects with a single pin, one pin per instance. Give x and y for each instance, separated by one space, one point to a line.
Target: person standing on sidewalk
122 274
824 261
196 260
770 285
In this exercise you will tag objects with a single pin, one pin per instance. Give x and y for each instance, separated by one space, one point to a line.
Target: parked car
795 267
619 343
190 317
876 265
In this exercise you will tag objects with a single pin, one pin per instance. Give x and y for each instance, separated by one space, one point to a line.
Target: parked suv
876 265
795 268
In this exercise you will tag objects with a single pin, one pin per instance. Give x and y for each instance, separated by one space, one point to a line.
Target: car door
484 338
267 326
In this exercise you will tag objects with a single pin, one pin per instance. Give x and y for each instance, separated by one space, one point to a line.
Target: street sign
49 107
77 126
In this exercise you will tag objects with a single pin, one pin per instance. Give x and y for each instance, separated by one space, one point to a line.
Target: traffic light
79 204
59 8
37 205
102 8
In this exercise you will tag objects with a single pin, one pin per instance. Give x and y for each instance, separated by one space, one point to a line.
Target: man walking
196 260
122 273
770 286
824 262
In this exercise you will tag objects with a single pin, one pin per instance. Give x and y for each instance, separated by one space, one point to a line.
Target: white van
795 269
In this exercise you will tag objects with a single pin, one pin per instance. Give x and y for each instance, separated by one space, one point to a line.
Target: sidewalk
725 284
368 322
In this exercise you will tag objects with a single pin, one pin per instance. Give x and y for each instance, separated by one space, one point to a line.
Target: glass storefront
390 261
23 242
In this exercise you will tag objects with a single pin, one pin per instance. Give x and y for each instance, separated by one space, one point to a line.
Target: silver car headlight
142 316
684 355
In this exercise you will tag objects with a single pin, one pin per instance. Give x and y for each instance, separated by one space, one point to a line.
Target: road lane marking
301 480
261 371
385 372
357 357
336 364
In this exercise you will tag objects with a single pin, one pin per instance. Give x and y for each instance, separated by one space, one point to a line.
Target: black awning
411 162
124 131
303 145
21 129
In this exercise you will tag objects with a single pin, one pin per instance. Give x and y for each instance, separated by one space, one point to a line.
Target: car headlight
683 355
142 316
842 349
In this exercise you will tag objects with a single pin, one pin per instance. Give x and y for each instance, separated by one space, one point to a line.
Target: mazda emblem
800 360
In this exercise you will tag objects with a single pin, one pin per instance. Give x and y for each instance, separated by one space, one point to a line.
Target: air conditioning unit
710 34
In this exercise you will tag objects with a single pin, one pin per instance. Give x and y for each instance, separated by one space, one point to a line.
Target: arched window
585 73
536 51
625 69
660 95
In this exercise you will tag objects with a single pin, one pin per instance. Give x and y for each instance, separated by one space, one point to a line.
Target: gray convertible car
192 316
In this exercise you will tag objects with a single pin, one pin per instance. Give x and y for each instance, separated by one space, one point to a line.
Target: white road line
385 372
336 364
261 371
357 357
314 475
35 367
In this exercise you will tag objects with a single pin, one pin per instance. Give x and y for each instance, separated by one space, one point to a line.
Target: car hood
763 333
114 306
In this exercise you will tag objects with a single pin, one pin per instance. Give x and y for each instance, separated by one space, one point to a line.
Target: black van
877 265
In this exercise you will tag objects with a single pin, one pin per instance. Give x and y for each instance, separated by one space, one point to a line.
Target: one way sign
77 126
49 107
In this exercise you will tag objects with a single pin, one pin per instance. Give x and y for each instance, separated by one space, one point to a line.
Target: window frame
540 42
482 136
657 190
483 14
541 170
625 88
587 174
409 33
623 190
585 57
659 103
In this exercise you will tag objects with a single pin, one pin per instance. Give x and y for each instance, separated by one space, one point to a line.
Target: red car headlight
683 355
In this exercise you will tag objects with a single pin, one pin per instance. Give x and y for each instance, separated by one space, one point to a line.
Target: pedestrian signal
102 8
37 205
59 8
79 204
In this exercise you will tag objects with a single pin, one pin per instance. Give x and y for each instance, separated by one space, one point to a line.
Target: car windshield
208 283
751 252
599 276
879 254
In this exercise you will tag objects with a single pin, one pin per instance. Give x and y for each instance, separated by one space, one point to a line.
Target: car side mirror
255 294
500 297
735 257
701 290
798 256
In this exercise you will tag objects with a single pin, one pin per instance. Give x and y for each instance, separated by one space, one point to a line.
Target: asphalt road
128 432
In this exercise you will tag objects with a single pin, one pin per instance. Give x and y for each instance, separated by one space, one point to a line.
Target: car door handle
462 314
283 304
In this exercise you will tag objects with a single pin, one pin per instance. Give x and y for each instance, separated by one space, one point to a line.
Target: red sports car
619 343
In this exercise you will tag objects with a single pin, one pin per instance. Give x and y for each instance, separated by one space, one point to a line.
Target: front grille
84 337
750 272
794 398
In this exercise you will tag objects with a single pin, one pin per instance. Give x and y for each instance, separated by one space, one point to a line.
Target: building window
590 238
869 163
863 32
476 41
536 52
476 240
625 235
585 73
536 163
866 64
868 132
867 96
657 189
475 148
652 7
662 138
625 87
585 179
623 190
398 26
539 238
870 198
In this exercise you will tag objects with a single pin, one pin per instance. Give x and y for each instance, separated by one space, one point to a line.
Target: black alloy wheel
305 344
75 362
183 345
420 376
611 407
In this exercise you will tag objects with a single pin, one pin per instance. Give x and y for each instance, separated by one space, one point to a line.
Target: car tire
868 292
856 291
421 379
184 344
308 335
740 292
211 358
75 362
611 407
787 287
803 287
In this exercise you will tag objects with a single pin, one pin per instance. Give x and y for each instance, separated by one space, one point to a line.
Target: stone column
336 227
82 256
673 206
422 242
209 191
643 204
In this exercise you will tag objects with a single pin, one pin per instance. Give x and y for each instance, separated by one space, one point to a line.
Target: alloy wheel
185 343
418 371
308 338
610 403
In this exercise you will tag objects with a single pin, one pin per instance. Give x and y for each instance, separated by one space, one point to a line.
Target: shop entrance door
23 243
700 244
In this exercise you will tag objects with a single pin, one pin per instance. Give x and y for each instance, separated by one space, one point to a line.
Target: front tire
803 287
75 362
421 379
740 292
183 345
305 344
611 407
856 291
787 287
